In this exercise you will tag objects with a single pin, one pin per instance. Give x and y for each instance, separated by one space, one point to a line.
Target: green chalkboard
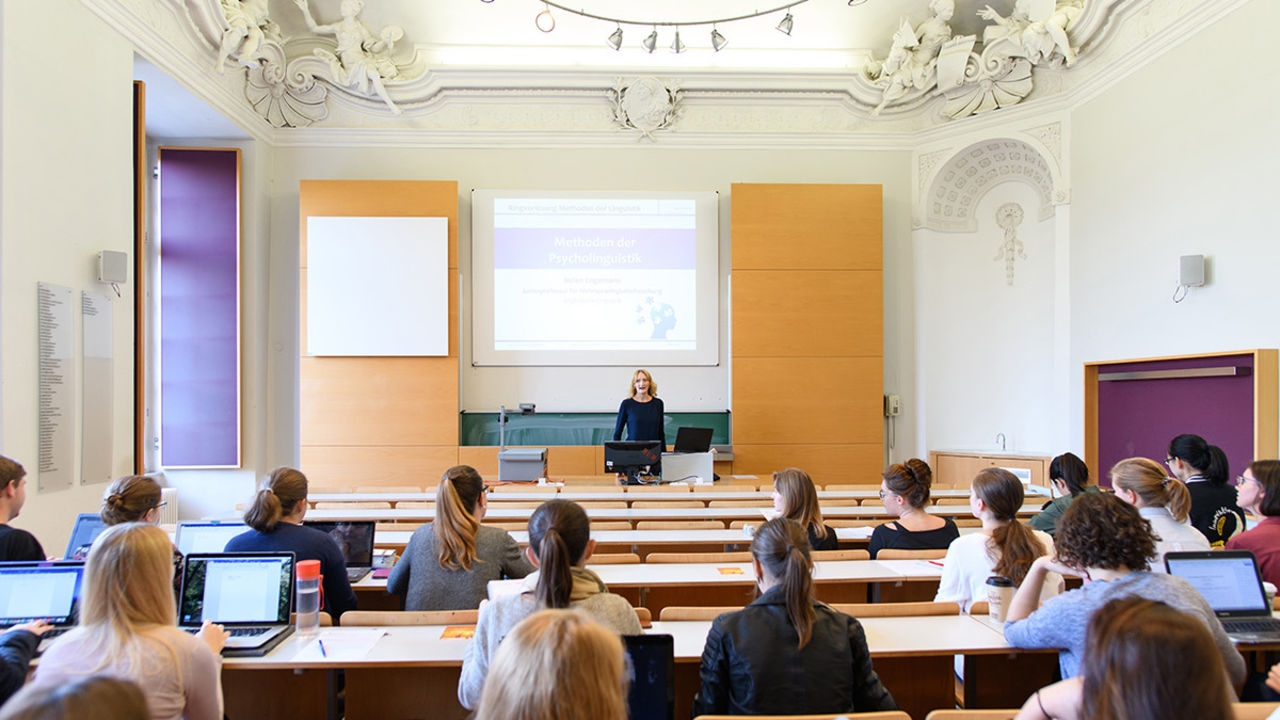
575 428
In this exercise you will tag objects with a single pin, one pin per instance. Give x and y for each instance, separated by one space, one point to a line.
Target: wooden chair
616 489
642 489
971 715
699 557
884 715
389 489
853 523
644 616
508 526
967 522
896 554
528 489
613 559
417 504
326 620
951 501
898 609
723 488
613 504
840 555
610 525
1254 710
391 527
667 504
682 612
374 618
352 506
857 486
740 503
979 607
680 525
515 504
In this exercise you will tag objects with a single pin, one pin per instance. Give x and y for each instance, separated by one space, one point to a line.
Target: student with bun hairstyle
796 498
559 546
1203 467
1135 666
905 493
1165 503
275 518
1104 540
1005 547
128 629
448 563
1070 478
786 653
133 498
98 696
558 665
1259 493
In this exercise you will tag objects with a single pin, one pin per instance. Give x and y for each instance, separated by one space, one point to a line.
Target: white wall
1179 158
67 194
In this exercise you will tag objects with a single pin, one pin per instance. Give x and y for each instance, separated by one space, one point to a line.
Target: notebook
693 440
250 594
1230 582
652 662
355 540
41 591
206 537
87 529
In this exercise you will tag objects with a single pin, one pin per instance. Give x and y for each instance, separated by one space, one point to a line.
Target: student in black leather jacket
786 653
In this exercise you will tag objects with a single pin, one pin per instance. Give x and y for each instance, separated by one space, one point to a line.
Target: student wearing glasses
905 494
1258 491
133 499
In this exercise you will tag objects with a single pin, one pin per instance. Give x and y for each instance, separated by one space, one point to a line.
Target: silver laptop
250 594
206 537
354 539
1230 582
87 529
47 591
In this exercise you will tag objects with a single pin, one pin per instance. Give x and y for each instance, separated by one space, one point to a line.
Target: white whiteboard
377 286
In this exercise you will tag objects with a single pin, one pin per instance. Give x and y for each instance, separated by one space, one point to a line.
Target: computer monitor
653 673
633 458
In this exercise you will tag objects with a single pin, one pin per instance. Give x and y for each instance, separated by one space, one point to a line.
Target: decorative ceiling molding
956 187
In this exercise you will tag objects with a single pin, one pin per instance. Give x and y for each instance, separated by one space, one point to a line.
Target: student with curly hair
1104 540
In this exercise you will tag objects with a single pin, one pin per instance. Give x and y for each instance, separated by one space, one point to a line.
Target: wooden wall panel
808 337
842 311
379 420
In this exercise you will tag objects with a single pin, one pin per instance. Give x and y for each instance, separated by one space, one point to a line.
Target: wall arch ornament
949 198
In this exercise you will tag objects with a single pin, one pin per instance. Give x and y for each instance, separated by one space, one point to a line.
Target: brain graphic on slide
662 315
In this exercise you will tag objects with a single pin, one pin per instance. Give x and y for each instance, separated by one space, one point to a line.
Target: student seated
17 646
1005 547
905 493
448 563
100 697
558 664
1070 477
15 544
1135 666
559 546
133 498
1258 491
1203 467
1163 501
275 516
1104 540
795 498
128 629
786 653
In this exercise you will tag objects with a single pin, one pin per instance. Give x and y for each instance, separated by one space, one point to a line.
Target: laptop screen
87 529
693 440
33 591
1228 580
236 589
206 537
354 539
653 690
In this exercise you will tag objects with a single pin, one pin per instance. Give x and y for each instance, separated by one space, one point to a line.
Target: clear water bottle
307 606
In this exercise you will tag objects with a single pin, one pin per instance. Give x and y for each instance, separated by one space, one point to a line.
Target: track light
545 22
784 27
486 1
651 41
677 46
615 38
718 41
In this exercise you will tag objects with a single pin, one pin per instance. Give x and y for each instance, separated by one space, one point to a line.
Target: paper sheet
345 644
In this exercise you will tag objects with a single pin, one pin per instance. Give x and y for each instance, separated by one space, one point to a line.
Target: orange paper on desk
454 632
730 571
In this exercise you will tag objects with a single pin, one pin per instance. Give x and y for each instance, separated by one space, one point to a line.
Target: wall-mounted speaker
1191 271
113 266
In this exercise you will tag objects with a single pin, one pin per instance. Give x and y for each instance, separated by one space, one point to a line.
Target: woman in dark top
786 653
1203 467
795 498
1070 477
276 518
641 412
905 493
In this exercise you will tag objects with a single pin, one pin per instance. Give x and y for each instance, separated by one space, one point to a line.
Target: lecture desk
412 672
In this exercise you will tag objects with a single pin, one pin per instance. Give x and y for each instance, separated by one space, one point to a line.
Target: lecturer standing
641 413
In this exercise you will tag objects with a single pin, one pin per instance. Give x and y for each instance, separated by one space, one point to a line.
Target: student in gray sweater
448 563
559 544
1104 540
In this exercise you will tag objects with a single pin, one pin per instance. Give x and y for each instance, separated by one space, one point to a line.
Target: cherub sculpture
1039 27
363 60
914 54
248 27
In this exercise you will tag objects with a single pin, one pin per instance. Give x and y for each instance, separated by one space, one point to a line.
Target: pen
322 652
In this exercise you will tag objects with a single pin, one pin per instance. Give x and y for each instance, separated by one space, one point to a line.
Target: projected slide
572 274
569 278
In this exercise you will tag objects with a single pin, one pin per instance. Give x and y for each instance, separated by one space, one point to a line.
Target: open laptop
47 591
652 662
693 440
87 529
355 540
1230 582
206 536
250 594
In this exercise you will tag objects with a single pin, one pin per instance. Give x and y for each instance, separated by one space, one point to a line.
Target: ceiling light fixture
718 41
545 22
785 26
615 39
677 47
651 41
